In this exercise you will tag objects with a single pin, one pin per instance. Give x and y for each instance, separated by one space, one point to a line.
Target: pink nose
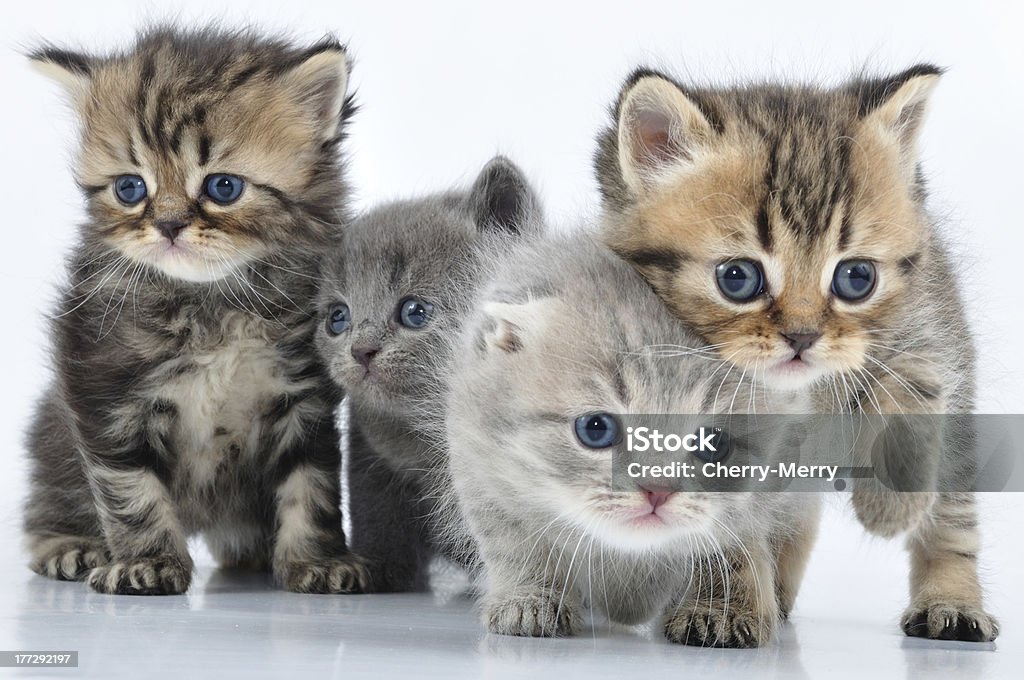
657 498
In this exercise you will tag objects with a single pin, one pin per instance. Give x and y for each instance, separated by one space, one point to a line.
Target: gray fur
432 249
565 329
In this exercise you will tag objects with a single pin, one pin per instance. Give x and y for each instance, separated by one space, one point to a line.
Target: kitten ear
658 126
896 106
510 324
71 70
319 83
502 199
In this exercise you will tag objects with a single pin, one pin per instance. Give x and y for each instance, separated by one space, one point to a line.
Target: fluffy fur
433 250
567 329
188 396
799 179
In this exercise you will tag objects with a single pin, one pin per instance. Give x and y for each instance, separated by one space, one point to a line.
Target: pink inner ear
652 130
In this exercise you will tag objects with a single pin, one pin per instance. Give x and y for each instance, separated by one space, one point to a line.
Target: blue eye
338 319
224 189
740 280
721 444
854 280
414 313
130 189
597 430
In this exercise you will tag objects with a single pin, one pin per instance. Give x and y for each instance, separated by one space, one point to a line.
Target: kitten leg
904 453
731 601
792 551
149 553
309 554
531 597
946 599
62 530
386 528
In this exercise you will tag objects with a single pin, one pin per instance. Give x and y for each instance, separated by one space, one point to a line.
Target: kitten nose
364 353
656 498
170 228
801 340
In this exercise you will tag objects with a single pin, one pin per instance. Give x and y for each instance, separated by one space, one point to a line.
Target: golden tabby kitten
786 225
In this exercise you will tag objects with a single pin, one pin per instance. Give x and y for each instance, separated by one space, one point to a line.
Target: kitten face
783 224
201 153
404 279
586 341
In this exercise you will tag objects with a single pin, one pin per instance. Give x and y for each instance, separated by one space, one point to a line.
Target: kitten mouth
796 364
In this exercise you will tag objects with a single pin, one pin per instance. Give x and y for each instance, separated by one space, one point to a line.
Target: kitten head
784 224
566 341
203 151
405 276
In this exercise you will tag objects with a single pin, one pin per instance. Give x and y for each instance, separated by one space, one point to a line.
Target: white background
443 85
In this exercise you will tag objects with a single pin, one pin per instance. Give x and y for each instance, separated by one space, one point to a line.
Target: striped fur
188 397
798 179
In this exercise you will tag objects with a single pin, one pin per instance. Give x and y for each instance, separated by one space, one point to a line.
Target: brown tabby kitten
188 397
786 225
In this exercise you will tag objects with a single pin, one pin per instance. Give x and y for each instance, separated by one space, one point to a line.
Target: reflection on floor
234 623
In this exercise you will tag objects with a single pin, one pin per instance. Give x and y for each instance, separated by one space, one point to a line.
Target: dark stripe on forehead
764 228
659 258
142 98
846 227
196 117
204 149
807 176
162 111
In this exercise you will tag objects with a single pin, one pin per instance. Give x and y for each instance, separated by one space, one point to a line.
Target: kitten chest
222 389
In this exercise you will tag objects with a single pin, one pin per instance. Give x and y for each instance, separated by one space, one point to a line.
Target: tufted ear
658 126
71 70
503 200
509 326
319 83
895 106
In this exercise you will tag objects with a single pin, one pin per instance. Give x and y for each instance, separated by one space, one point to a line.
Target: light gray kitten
389 301
565 337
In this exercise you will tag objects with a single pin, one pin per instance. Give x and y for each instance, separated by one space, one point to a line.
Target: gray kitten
568 336
787 225
188 397
390 299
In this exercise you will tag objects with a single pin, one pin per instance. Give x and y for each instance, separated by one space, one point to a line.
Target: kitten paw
715 624
343 575
69 559
166 575
890 513
536 615
943 621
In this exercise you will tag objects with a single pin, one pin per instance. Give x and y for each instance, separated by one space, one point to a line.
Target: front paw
943 621
70 560
889 513
342 575
543 614
165 575
718 624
